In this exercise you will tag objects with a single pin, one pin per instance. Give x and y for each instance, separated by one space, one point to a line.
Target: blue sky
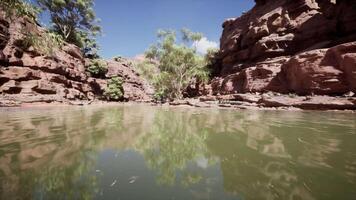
130 26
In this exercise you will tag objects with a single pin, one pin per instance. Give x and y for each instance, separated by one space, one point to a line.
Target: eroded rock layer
289 46
26 76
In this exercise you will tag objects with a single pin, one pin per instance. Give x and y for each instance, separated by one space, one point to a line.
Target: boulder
322 71
73 50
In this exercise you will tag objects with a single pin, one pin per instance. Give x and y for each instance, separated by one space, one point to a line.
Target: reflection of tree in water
174 141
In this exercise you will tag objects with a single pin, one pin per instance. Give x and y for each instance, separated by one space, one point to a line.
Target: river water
137 152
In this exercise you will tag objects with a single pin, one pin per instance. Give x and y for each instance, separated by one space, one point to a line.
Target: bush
114 90
97 68
19 8
46 43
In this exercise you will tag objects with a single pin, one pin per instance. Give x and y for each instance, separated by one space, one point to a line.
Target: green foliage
211 61
88 45
152 52
189 36
75 20
19 8
147 70
178 64
46 43
97 68
210 56
114 90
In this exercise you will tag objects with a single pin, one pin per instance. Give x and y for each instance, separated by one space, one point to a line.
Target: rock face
289 46
26 76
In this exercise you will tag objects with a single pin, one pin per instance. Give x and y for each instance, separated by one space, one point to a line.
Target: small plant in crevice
292 95
97 68
114 90
118 58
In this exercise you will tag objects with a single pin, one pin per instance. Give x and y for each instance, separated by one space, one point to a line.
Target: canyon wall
306 47
27 76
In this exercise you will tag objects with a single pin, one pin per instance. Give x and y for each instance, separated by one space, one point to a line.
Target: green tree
211 59
178 63
147 69
75 20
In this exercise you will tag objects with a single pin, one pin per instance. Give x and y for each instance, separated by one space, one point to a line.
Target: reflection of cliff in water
49 149
262 155
285 157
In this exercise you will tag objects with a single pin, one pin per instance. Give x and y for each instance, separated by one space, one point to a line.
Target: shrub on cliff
19 8
114 90
46 43
97 68
178 63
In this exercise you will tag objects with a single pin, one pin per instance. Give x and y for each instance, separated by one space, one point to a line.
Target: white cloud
204 44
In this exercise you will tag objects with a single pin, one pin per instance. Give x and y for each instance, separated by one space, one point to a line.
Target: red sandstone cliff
26 76
289 46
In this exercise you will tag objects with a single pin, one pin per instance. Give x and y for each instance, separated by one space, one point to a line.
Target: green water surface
137 152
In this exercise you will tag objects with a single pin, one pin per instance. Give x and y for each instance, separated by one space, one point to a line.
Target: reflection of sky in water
141 152
128 164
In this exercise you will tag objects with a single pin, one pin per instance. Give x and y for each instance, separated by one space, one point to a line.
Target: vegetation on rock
114 90
97 68
45 43
19 8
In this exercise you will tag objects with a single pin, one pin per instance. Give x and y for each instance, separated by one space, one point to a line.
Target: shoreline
226 102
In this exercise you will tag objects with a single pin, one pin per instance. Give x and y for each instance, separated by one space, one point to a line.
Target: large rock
343 57
73 50
309 73
323 71
301 46
135 88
